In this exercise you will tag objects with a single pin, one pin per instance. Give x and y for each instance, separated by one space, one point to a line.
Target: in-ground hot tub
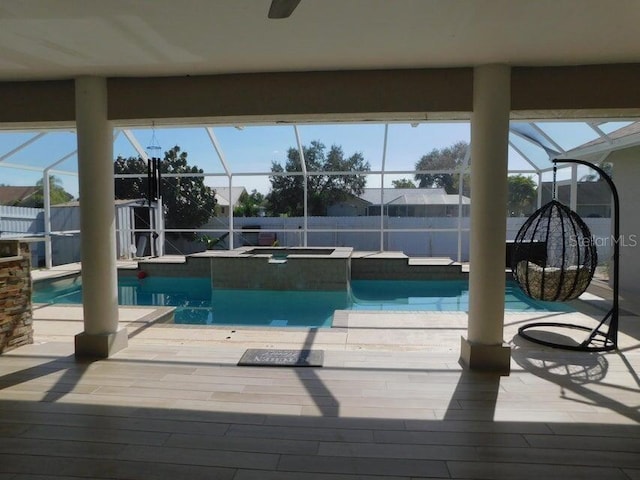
282 268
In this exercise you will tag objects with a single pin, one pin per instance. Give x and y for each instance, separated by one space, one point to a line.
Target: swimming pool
197 303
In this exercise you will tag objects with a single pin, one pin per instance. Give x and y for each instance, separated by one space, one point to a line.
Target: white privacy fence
21 222
415 236
436 237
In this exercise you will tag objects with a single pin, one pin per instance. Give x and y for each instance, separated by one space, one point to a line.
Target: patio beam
25 144
130 136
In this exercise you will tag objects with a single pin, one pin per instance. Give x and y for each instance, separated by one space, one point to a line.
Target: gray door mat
260 357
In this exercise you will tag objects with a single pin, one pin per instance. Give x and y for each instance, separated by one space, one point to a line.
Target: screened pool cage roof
532 145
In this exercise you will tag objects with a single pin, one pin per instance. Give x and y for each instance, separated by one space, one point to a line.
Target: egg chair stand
604 337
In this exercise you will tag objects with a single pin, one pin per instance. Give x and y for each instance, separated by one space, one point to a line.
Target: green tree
403 183
522 195
188 202
448 158
522 190
57 193
249 204
130 187
286 195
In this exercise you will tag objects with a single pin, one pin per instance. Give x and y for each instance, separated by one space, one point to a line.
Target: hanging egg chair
554 256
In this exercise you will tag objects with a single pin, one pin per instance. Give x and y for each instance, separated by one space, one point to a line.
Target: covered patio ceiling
62 39
226 62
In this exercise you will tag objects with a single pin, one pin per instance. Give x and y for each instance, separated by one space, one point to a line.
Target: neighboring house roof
16 195
426 199
353 200
117 202
222 195
412 196
631 129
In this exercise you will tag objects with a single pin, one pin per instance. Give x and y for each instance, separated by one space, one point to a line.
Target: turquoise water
198 303
438 296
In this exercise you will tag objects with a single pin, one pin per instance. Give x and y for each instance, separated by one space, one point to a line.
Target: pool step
303 272
406 268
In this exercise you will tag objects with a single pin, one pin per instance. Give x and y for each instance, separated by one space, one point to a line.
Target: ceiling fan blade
282 8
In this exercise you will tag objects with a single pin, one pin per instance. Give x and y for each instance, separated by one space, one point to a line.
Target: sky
252 149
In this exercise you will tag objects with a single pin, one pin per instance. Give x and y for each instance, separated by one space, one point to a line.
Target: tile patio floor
391 402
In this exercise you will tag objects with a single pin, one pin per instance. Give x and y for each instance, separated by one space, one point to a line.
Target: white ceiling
41 39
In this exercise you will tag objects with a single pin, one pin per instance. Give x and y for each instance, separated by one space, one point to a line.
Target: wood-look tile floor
389 403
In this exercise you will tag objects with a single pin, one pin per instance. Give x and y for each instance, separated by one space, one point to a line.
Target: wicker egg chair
554 258
570 258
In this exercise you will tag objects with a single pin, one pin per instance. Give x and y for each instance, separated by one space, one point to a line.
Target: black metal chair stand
600 338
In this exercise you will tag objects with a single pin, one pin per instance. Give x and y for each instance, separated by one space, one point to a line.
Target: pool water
197 303
437 295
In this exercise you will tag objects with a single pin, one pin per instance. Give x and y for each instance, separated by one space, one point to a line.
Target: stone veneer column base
102 345
487 358
16 319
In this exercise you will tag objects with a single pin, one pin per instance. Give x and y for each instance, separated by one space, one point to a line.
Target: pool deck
391 402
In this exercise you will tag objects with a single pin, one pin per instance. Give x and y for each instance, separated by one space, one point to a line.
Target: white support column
231 224
227 171
101 336
483 349
305 187
382 169
460 190
539 200
463 169
46 194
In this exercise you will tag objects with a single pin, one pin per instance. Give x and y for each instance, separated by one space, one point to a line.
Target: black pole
156 162
158 179
614 312
149 181
154 185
